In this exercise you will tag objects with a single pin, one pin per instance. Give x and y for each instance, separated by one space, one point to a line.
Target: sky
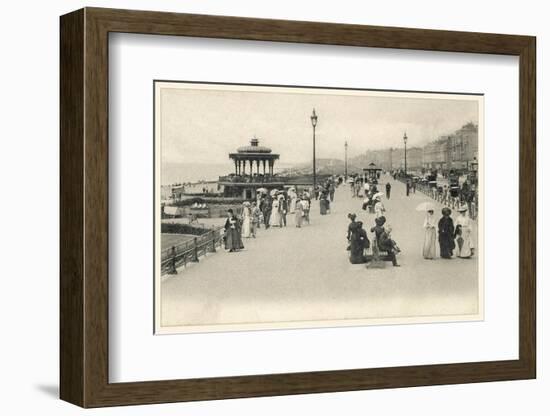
203 126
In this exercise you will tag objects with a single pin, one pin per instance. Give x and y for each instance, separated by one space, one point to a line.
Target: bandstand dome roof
254 147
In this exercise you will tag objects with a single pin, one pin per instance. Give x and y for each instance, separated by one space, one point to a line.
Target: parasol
425 206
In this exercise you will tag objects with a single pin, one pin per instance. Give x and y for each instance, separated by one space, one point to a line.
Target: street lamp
314 124
346 162
405 138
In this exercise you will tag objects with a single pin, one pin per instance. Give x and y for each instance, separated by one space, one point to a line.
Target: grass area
169 240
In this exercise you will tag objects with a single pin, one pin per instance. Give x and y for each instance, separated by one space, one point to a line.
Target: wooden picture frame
84 207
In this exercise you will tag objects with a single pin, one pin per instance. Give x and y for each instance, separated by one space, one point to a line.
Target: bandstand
372 172
254 169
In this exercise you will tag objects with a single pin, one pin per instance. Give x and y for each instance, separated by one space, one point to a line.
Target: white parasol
425 206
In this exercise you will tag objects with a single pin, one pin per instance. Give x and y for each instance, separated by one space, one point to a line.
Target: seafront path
289 274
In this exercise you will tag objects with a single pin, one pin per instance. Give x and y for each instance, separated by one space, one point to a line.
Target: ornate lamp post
314 124
405 138
346 161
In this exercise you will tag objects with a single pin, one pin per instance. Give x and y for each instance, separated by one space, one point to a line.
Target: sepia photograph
301 207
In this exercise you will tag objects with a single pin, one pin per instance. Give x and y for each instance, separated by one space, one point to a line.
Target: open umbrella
262 190
425 206
378 195
274 192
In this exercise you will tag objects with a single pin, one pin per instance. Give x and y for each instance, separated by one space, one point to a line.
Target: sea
176 173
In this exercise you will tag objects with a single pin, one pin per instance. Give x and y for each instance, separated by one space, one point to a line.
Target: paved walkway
296 274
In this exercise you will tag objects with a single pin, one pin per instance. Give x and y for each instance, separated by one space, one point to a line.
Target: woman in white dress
293 199
379 209
299 213
275 219
428 250
247 219
463 234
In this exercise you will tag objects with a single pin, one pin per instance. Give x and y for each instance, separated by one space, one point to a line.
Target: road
303 274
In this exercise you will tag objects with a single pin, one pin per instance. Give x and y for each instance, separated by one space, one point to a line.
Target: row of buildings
457 151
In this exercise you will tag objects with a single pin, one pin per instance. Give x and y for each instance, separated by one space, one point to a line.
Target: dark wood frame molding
84 207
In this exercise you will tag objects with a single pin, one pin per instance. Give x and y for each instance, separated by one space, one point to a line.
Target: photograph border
84 214
158 329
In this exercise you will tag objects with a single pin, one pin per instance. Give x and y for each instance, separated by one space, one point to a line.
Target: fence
190 251
445 198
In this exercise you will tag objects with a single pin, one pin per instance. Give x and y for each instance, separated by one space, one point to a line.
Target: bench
378 257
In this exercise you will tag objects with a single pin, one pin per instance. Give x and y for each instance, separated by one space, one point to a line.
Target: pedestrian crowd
276 209
455 236
383 245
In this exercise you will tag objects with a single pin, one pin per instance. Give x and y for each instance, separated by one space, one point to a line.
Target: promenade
297 274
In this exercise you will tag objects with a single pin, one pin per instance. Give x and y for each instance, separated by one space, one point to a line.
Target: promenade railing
445 198
251 179
190 251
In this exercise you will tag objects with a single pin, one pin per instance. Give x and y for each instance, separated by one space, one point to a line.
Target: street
303 274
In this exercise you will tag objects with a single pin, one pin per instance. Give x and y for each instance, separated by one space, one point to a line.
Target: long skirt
356 255
428 250
299 217
233 239
465 249
246 227
275 220
323 205
266 218
446 246
292 205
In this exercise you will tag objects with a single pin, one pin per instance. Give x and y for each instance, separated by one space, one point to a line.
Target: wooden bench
378 257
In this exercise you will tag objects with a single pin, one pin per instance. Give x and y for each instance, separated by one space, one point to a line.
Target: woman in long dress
232 234
246 220
323 204
463 234
306 205
428 250
358 243
293 196
299 213
446 231
275 220
379 209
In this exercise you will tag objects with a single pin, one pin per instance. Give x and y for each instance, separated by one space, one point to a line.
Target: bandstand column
244 167
236 170
264 165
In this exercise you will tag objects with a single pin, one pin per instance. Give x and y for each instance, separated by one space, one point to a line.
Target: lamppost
405 138
346 162
314 124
